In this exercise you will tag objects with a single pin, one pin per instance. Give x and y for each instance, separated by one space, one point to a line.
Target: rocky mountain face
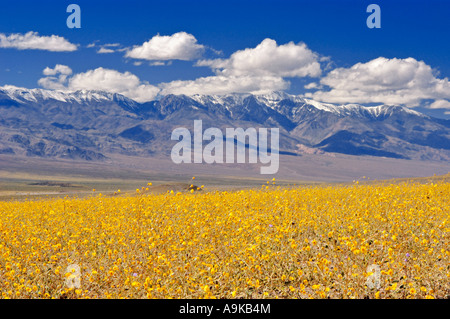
92 125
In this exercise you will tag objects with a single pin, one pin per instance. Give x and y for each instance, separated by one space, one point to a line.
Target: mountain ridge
90 124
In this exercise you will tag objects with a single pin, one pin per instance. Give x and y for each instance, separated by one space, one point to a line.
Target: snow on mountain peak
271 100
23 95
357 109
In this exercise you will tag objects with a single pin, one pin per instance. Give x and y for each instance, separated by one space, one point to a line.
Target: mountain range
92 125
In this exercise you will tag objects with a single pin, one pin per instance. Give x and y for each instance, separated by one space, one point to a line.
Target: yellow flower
393 286
289 240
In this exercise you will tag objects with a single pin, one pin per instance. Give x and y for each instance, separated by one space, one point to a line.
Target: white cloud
109 80
382 80
160 63
312 85
440 104
269 59
225 84
53 82
59 68
157 63
107 47
125 83
255 70
111 45
32 40
179 46
105 50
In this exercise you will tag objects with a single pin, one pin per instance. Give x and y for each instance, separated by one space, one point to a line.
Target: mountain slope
91 125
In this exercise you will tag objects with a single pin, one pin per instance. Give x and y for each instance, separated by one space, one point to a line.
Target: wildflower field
348 241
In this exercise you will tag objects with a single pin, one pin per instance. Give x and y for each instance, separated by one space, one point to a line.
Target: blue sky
329 35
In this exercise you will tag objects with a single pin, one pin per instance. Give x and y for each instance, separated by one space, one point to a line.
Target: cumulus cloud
52 81
440 104
254 70
32 40
109 80
58 69
225 84
389 81
269 59
178 46
125 83
312 85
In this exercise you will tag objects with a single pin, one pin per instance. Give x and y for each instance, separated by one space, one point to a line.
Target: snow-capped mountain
92 124
22 95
